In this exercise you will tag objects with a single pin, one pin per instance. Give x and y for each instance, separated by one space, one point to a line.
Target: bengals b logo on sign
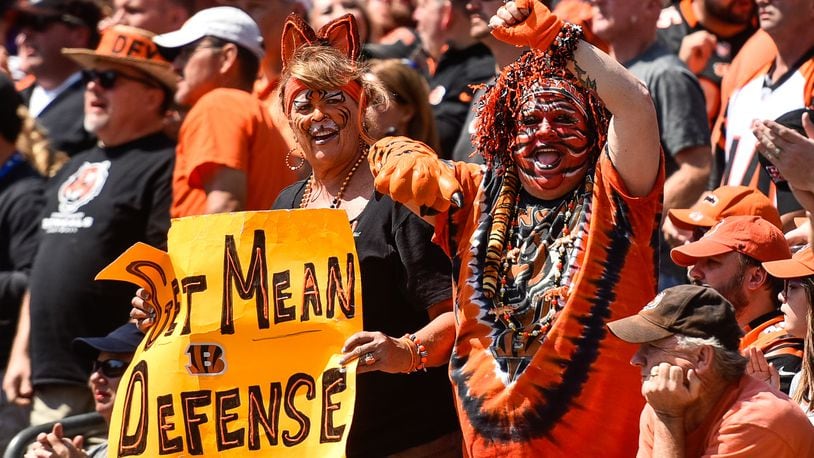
205 359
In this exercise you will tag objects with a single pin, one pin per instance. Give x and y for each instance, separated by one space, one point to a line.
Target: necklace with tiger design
531 285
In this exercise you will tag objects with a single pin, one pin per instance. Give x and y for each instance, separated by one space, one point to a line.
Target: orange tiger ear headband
340 34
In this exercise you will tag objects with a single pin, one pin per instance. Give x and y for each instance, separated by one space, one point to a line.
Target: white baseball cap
224 22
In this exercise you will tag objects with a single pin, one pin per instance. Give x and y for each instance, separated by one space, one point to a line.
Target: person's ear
704 359
228 58
407 113
447 15
756 278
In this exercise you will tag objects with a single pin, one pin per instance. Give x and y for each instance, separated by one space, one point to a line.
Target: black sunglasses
111 368
107 78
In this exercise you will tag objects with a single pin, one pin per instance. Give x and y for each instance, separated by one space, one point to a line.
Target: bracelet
418 353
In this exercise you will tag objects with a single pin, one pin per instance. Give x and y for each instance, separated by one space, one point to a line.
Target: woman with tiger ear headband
405 277
551 239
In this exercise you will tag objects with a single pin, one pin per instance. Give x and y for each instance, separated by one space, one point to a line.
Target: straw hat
130 47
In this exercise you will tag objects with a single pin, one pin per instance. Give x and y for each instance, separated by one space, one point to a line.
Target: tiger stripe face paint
551 147
325 125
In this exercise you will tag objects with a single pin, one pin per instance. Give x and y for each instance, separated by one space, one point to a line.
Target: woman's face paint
325 125
552 143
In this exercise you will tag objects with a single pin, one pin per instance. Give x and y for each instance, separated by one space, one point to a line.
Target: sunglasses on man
107 78
110 368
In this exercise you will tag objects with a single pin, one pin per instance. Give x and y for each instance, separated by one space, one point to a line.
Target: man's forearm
668 437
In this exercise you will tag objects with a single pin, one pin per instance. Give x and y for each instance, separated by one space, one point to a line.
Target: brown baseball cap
722 202
690 310
800 265
750 235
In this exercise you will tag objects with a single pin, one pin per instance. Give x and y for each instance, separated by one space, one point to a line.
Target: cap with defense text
800 265
752 236
722 202
124 339
224 22
130 47
690 310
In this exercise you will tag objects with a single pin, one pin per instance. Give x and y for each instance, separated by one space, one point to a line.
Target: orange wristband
538 31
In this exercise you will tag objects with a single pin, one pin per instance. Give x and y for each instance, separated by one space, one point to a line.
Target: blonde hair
33 144
805 389
325 68
408 87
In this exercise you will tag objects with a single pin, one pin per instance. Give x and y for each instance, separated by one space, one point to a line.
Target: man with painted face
550 240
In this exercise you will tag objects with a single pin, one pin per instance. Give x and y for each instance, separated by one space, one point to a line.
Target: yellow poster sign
251 310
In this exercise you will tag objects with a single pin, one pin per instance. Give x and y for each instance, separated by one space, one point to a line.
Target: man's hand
696 49
17 380
55 444
789 151
410 172
760 369
668 392
526 23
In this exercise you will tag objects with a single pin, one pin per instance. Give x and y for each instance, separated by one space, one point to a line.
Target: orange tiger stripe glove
411 173
538 31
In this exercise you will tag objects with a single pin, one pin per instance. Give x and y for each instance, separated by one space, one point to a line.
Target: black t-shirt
452 91
21 201
99 204
403 273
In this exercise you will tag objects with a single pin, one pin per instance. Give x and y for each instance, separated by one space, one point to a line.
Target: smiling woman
405 277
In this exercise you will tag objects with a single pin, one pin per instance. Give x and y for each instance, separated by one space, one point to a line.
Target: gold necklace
306 195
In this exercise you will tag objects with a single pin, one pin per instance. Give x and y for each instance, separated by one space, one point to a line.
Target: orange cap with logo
722 202
752 236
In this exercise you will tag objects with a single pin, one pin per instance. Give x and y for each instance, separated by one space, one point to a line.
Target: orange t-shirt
229 128
751 419
571 392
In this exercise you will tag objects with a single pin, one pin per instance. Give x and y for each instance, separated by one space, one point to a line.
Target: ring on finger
368 358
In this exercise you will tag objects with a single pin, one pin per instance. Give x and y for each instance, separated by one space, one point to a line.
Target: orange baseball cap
800 265
750 235
722 202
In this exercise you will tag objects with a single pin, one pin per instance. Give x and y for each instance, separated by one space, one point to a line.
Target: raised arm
633 135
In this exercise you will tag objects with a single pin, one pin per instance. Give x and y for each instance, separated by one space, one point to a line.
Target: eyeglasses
111 368
107 78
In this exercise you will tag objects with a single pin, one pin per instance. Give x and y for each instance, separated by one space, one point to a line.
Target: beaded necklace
306 195
542 237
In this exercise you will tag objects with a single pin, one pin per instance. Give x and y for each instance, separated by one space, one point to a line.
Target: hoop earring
288 161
